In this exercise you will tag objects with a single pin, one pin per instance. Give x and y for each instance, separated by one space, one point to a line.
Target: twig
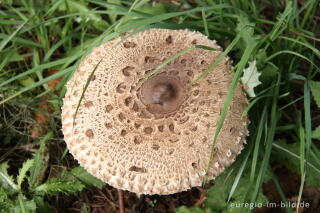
120 200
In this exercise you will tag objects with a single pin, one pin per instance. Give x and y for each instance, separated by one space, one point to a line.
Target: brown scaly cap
153 136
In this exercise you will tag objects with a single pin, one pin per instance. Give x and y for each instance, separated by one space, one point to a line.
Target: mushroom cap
153 136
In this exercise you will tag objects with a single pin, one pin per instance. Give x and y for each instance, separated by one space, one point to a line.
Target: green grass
282 36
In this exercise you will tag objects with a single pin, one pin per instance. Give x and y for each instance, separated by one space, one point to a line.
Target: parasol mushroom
152 136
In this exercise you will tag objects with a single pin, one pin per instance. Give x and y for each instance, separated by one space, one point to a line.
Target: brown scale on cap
153 137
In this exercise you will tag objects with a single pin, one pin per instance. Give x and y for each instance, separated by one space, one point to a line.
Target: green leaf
81 174
246 29
194 209
56 186
24 205
316 133
268 73
85 208
30 205
15 203
315 89
26 81
5 202
41 204
268 69
289 155
23 171
219 192
38 165
5 179
250 78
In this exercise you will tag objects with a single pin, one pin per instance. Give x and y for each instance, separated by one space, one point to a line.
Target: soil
106 200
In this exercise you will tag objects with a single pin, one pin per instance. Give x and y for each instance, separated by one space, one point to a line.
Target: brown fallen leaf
42 116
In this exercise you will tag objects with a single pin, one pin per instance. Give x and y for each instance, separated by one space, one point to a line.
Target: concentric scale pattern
152 136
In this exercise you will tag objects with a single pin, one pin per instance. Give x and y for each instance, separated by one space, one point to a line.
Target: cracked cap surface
153 137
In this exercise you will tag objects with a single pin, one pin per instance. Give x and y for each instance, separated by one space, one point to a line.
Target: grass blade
9 37
241 65
84 90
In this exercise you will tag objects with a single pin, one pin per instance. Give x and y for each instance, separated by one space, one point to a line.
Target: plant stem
120 201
